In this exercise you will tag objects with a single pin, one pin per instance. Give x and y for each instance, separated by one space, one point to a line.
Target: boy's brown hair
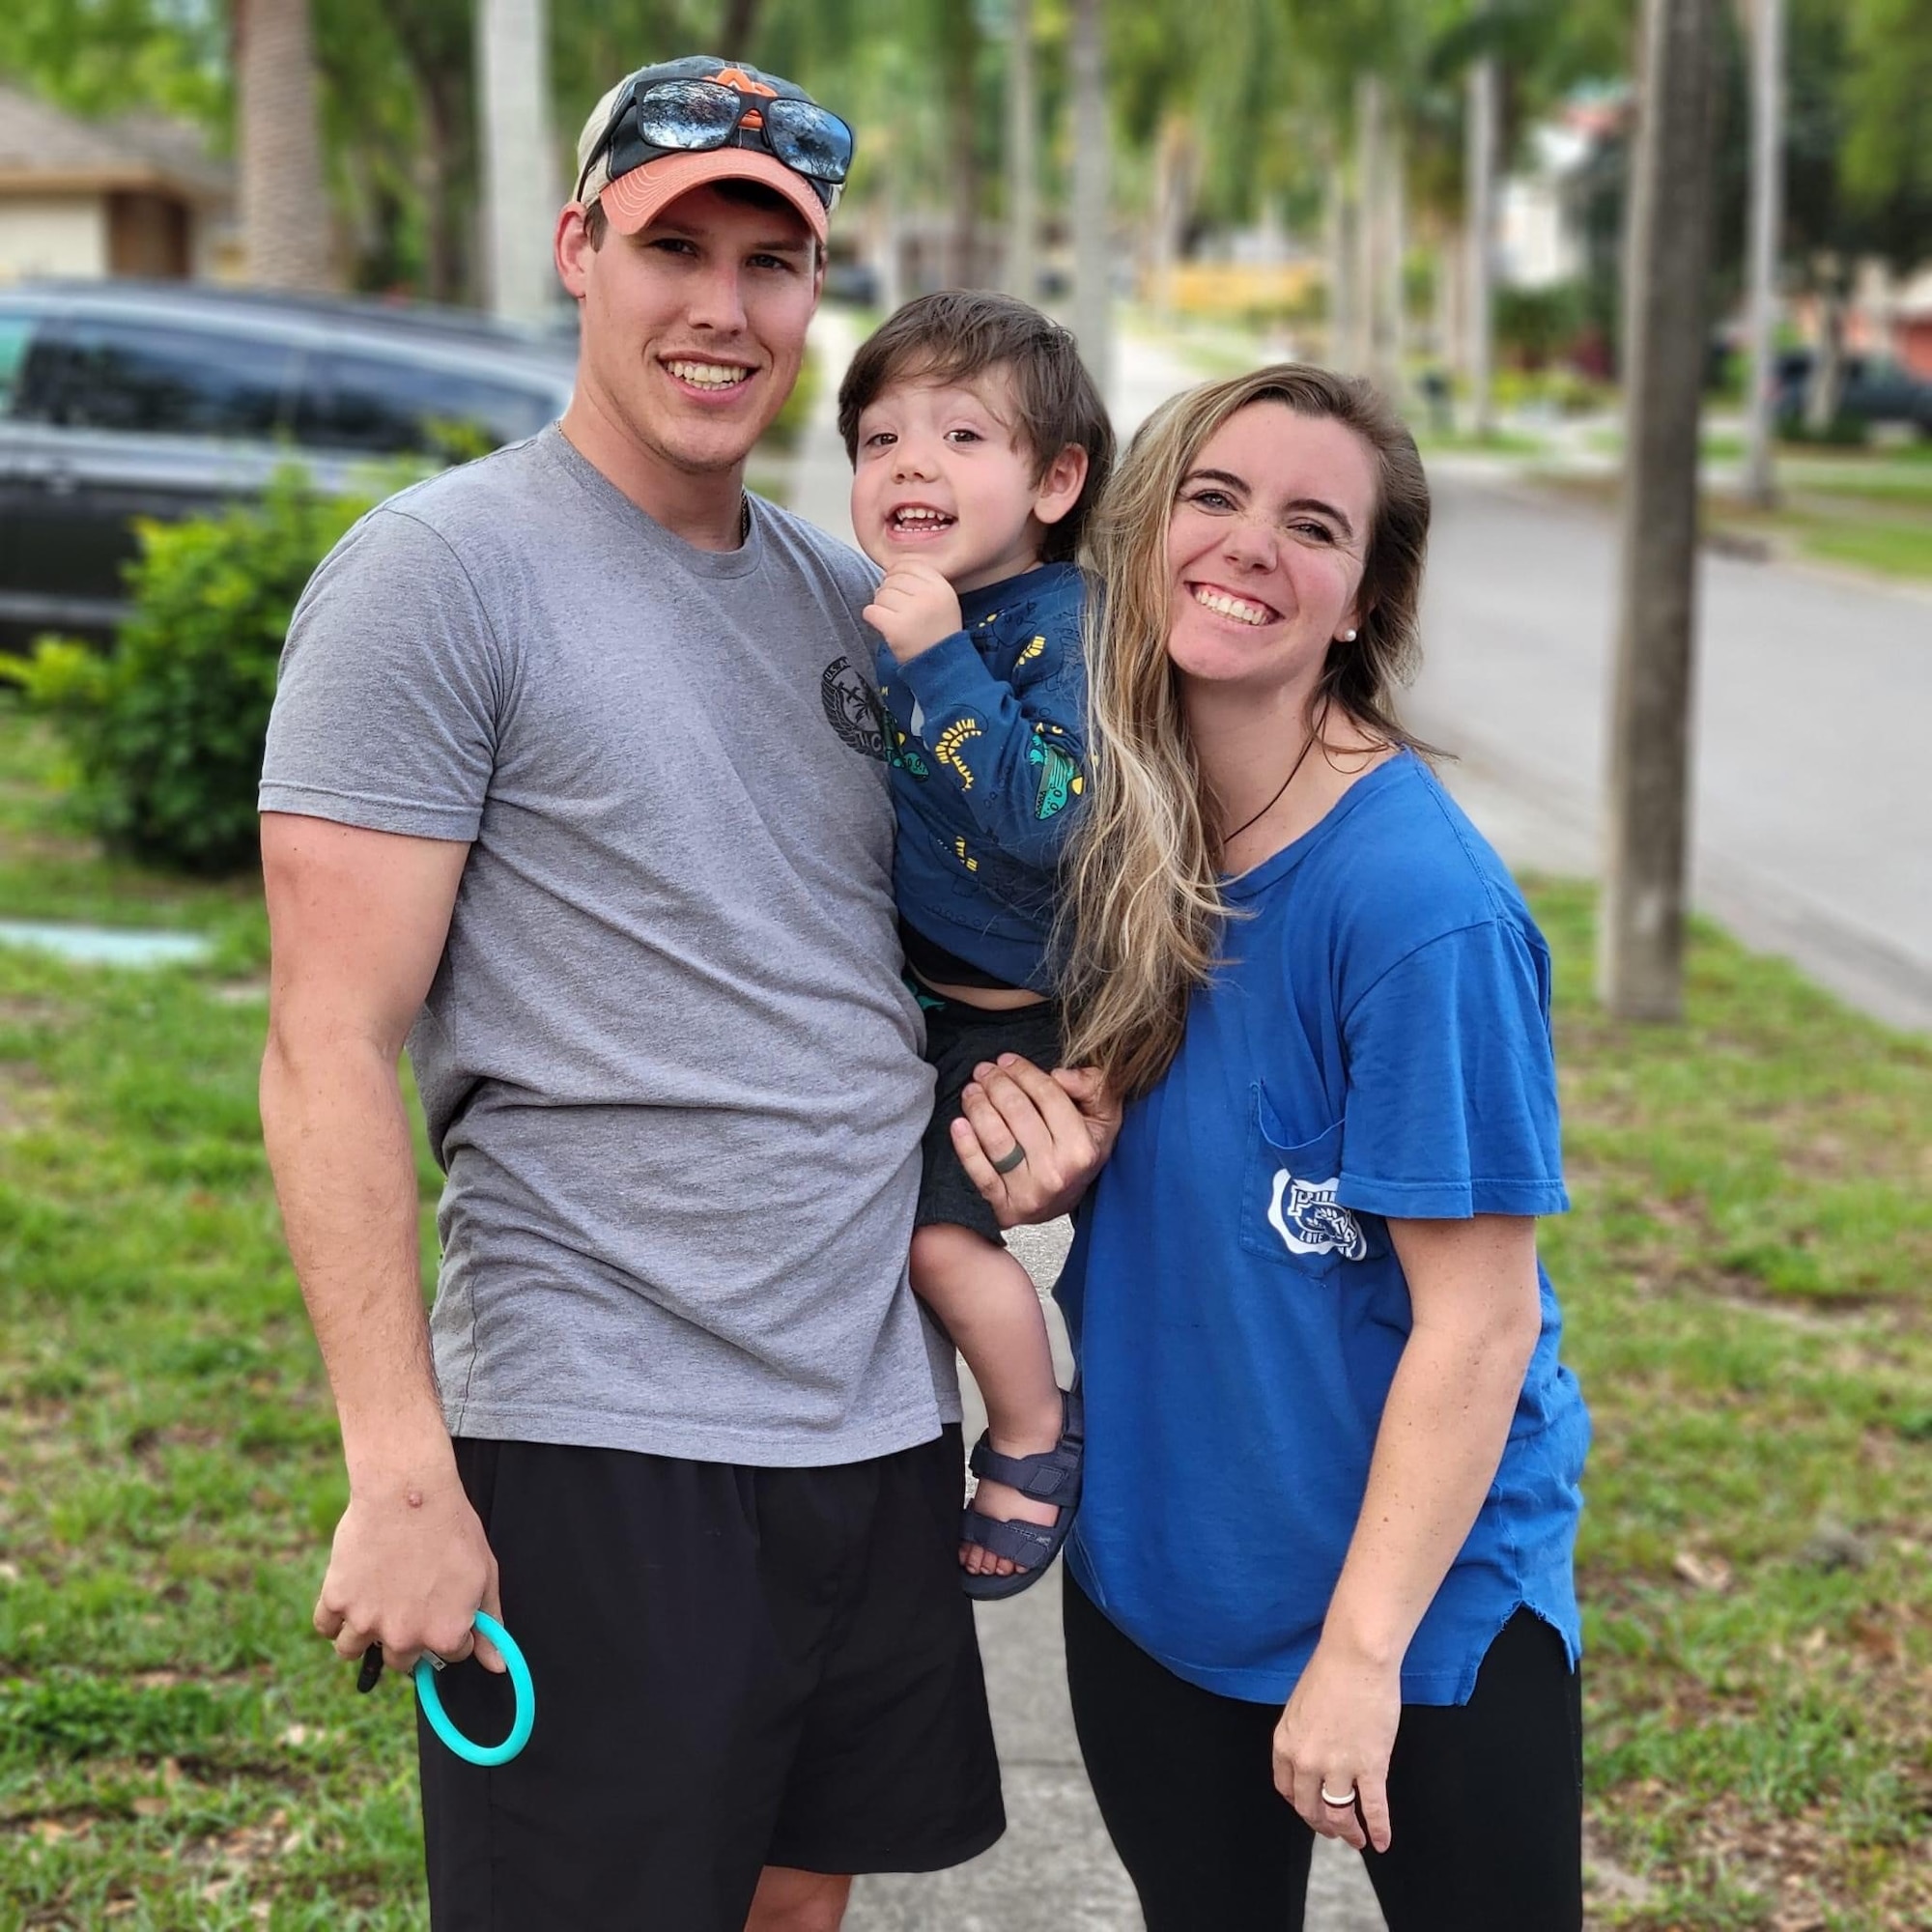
959 334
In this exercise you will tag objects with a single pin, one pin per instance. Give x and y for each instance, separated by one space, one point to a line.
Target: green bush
165 729
1534 325
1840 433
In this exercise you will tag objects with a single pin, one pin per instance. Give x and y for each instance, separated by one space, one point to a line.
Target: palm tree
515 150
1092 186
1022 270
1766 213
285 221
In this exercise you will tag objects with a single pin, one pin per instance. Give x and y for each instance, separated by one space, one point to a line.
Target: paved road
1812 819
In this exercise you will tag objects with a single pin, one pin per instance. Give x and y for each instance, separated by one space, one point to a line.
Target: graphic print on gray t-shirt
668 1063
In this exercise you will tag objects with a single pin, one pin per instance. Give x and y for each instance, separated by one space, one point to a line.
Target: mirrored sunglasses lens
688 114
808 139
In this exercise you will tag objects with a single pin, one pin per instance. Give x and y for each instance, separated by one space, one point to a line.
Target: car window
16 337
379 408
168 381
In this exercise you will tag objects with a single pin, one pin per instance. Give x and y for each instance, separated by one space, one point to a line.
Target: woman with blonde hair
1321 1576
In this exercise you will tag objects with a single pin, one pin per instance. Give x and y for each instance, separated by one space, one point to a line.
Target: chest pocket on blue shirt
1288 1210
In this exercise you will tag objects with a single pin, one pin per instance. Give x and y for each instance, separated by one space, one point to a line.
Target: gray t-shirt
667 1061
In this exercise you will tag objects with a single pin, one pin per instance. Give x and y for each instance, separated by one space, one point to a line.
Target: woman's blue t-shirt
1376 1045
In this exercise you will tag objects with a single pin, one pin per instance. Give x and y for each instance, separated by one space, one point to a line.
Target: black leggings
1485 1797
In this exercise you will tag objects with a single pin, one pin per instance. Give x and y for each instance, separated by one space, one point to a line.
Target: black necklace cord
1300 759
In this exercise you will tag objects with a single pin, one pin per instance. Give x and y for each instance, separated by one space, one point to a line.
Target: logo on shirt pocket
1288 1210
1311 1221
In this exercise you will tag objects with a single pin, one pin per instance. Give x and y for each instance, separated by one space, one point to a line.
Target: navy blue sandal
1053 1477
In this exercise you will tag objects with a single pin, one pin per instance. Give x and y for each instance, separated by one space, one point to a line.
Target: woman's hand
1338 1731
1062 1124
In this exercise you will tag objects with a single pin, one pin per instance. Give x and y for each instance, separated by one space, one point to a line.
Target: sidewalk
1054 1871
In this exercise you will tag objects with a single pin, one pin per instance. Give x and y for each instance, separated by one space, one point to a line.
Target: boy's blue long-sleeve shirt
987 734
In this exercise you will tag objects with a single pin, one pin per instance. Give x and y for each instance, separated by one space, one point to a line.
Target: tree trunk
1828 363
432 179
1481 190
1172 204
1639 962
1766 217
1452 263
1396 245
520 197
1022 157
1339 238
736 29
284 193
1093 195
963 61
1368 352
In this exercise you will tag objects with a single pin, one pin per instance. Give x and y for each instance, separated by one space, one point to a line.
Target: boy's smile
940 476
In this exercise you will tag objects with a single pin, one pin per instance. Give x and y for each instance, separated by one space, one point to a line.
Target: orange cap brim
635 200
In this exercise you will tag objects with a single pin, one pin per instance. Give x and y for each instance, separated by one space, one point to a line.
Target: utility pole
1767 214
1639 963
1092 169
520 197
1022 156
1480 185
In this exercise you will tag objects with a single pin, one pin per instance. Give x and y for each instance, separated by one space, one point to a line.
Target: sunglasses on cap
693 117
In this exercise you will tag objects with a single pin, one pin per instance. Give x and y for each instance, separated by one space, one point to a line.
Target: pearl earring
1347 637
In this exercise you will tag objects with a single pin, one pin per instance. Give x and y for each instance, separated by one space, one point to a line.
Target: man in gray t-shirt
576 777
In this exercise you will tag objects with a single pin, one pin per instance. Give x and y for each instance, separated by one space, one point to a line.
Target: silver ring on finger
1347 1799
1007 1162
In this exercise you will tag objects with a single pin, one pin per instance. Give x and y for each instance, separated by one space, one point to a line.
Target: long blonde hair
1142 914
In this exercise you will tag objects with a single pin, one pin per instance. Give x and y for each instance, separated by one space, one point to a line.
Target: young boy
978 443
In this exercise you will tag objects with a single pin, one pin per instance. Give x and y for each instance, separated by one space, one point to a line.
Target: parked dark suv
121 399
1876 390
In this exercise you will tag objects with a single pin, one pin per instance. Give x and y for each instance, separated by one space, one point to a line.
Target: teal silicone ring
519 1681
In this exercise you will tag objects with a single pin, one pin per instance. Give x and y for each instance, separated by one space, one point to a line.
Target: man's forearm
338 1143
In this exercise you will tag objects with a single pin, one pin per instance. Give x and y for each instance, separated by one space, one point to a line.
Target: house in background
135 196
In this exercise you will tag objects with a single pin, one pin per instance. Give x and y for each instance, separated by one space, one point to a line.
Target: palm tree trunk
284 194
1022 269
1397 264
1641 940
1338 236
963 58
1367 351
1827 362
1093 194
1478 338
1766 216
516 151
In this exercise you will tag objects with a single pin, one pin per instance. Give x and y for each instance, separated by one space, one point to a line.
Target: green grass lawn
1432 442
1746 1278
1890 537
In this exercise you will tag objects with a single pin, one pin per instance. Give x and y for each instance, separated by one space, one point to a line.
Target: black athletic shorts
733 1666
957 1039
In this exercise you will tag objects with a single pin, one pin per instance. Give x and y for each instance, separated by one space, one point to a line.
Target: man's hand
913 608
408 1570
1064 1122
